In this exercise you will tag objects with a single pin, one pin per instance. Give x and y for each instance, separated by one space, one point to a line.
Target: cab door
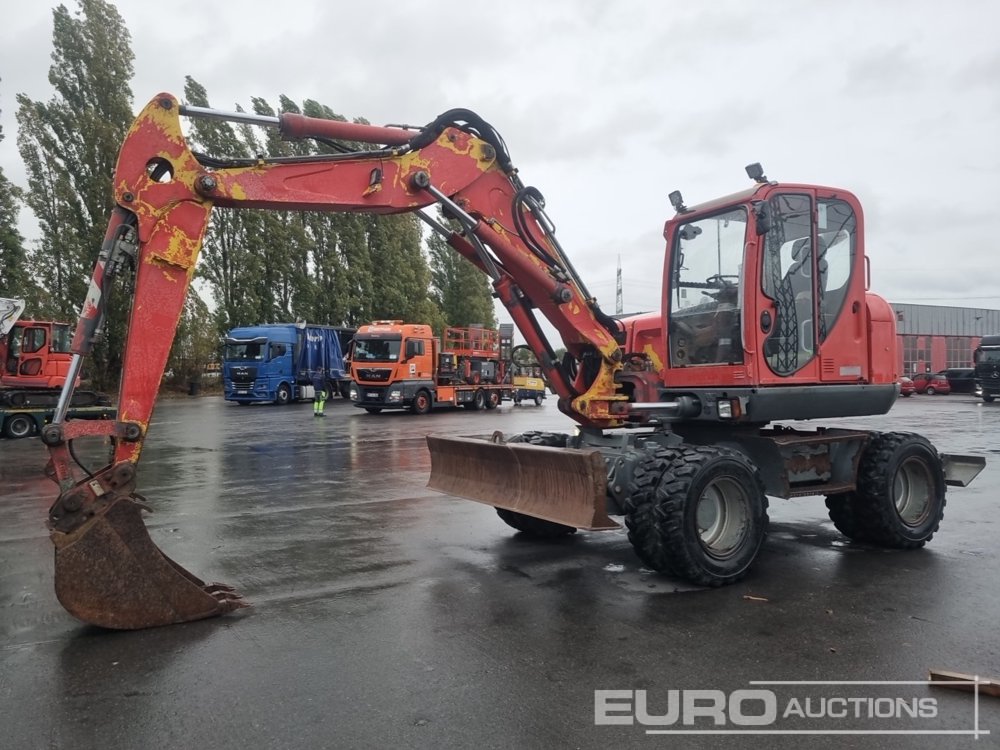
811 318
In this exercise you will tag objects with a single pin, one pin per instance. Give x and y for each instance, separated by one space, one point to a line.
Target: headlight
354 393
395 395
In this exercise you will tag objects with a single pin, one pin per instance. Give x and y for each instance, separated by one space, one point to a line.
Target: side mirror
762 215
411 349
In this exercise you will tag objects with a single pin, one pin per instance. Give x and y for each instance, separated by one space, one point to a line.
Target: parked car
931 383
906 387
961 379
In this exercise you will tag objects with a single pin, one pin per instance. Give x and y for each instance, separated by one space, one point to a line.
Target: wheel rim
722 516
913 491
19 427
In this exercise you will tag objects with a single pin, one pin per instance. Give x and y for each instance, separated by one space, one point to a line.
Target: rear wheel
19 426
492 399
538 400
697 512
283 396
478 402
931 390
900 497
530 525
421 403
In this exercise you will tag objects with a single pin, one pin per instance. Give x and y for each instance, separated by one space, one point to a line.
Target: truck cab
282 362
987 362
391 362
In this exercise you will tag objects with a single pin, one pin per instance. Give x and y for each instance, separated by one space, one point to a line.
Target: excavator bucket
562 485
110 573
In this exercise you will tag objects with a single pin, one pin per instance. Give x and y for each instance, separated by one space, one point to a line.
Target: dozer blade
563 485
110 573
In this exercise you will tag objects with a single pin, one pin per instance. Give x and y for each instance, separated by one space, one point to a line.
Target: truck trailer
283 362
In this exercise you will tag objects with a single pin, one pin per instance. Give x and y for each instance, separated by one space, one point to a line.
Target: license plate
242 393
371 395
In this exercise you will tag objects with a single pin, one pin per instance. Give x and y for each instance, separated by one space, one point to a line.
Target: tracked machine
682 416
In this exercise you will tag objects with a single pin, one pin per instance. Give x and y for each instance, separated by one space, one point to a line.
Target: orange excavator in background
35 357
766 318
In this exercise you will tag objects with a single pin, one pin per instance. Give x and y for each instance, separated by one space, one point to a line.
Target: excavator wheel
900 497
697 512
530 525
846 516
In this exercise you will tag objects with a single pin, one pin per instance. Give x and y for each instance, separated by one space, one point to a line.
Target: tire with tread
988 397
673 492
492 399
529 525
900 498
843 511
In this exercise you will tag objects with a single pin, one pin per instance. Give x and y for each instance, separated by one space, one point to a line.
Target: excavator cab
765 295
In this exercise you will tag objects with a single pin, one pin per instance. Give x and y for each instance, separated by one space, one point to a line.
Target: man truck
281 362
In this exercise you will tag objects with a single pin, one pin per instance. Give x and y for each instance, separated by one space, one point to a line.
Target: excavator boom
108 570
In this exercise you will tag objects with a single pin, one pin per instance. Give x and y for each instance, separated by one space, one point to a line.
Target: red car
906 386
930 384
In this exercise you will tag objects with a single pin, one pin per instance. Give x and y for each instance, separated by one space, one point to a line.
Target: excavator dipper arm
108 570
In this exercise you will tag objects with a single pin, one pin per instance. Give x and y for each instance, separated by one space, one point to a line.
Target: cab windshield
246 351
991 356
376 350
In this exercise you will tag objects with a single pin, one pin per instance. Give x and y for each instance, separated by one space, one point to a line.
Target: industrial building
931 337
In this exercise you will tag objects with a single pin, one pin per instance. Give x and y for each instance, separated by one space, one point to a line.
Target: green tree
196 343
461 290
69 146
328 268
15 278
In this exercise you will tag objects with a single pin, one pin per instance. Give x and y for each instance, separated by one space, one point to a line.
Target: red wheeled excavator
766 318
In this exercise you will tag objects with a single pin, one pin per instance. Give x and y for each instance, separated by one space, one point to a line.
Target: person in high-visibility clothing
319 400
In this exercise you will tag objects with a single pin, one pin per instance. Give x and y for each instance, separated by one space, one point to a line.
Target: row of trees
256 266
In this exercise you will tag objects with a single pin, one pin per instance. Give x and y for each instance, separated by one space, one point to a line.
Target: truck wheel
538 400
901 490
373 409
478 402
421 403
283 396
987 397
697 512
344 389
530 525
492 399
19 426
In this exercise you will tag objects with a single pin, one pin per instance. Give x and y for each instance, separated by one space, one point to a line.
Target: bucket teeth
561 485
109 573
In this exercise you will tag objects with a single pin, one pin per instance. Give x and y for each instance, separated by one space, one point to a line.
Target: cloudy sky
608 106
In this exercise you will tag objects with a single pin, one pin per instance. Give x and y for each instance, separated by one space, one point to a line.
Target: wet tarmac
387 615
